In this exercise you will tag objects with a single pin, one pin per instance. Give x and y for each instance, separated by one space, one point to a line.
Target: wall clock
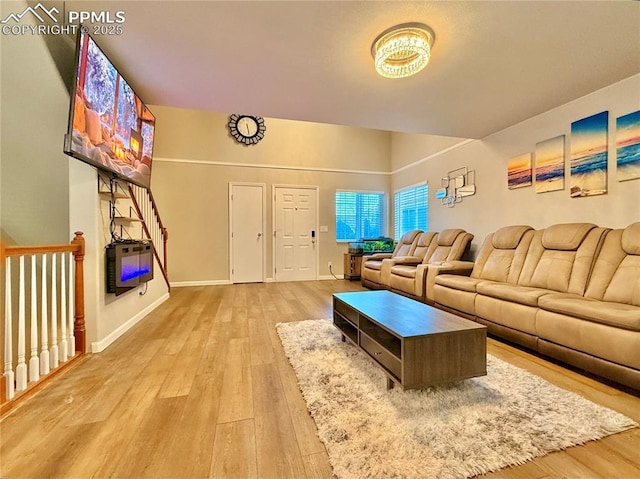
246 129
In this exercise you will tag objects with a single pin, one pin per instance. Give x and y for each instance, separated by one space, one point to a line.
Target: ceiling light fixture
403 50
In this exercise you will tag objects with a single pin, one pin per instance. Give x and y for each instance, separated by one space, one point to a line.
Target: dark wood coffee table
416 345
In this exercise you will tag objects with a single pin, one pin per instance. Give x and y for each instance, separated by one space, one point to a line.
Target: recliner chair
370 272
445 252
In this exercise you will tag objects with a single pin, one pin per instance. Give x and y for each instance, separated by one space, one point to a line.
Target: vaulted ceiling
494 63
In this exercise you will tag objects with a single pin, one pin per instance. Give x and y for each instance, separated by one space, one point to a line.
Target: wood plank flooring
201 389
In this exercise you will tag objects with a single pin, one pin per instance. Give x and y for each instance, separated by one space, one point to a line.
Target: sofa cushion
449 245
423 243
374 264
454 281
617 345
631 239
560 269
566 237
407 243
509 237
616 274
619 315
447 237
512 293
404 271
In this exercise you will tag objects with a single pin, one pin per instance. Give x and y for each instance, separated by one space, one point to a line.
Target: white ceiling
494 64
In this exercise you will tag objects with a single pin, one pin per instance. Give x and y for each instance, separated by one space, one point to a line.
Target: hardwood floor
201 388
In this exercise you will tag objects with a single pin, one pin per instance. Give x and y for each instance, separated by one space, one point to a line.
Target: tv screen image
109 126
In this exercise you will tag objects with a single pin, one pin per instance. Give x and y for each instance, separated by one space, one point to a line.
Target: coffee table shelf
415 344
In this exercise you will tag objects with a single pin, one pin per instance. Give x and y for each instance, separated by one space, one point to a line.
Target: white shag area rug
471 427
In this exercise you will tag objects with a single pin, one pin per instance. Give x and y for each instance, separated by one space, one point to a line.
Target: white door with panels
246 227
295 233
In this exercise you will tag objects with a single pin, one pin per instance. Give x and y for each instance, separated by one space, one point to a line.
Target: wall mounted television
109 125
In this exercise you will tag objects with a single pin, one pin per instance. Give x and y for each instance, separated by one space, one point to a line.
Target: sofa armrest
378 256
463 268
387 264
407 260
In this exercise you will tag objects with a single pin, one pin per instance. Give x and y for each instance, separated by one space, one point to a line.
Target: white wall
494 205
108 316
195 159
34 106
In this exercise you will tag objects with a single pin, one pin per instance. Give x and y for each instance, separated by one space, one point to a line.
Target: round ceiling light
403 50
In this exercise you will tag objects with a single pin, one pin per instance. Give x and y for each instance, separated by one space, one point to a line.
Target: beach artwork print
519 171
628 146
589 156
550 165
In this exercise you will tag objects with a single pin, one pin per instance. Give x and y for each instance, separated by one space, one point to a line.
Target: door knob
259 235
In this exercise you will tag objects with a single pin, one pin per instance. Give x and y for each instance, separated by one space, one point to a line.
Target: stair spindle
54 353
44 349
34 361
8 333
63 309
21 366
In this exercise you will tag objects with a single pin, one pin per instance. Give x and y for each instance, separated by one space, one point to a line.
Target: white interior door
296 233
246 205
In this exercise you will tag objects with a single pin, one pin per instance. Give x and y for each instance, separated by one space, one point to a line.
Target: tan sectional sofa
570 291
408 267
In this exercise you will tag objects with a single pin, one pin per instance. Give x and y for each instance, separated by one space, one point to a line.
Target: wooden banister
39 372
79 323
163 231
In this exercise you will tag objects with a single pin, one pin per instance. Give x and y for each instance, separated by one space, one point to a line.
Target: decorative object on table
456 185
550 165
246 129
469 428
382 244
519 171
628 146
589 155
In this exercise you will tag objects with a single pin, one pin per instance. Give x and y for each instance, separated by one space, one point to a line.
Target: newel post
78 327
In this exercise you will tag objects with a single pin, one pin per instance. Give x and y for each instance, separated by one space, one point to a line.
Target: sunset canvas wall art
550 165
628 146
519 171
589 155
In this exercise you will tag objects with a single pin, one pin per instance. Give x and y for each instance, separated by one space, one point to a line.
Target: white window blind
359 215
411 206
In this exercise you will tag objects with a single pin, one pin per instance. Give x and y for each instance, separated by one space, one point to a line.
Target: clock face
247 126
246 129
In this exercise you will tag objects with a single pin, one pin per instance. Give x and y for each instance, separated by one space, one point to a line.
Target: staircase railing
52 277
147 210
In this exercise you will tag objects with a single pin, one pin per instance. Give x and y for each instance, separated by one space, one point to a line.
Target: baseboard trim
220 282
99 346
209 282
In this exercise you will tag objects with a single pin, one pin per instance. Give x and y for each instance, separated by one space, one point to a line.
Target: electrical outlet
329 264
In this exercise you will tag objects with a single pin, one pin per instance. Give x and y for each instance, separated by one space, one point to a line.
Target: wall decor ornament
519 171
589 155
456 185
628 146
549 165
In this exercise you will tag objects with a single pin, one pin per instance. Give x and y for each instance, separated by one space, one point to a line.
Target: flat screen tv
109 126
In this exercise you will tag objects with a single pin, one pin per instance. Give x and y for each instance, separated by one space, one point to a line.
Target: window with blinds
411 206
359 215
